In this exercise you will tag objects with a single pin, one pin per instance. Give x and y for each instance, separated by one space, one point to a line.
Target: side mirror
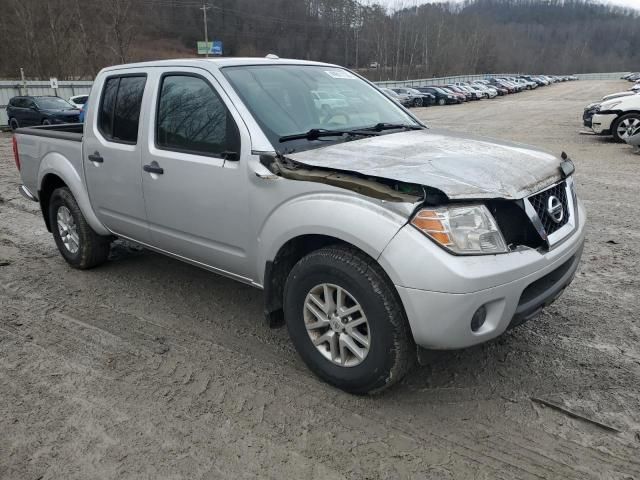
231 156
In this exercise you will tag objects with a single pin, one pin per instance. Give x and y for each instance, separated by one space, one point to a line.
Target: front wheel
78 244
46 122
13 123
417 102
626 126
346 320
441 101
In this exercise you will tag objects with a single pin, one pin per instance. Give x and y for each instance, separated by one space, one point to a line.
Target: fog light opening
478 319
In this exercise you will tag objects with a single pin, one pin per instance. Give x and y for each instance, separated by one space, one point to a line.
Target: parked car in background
416 97
528 84
467 95
328 100
30 110
537 80
78 100
489 92
474 94
502 84
501 90
463 97
403 99
441 96
619 117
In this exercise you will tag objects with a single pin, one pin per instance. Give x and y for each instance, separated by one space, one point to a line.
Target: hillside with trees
75 38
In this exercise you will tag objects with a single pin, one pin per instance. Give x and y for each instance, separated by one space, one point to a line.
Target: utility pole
204 9
24 82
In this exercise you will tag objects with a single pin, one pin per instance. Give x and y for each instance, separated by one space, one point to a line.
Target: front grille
540 203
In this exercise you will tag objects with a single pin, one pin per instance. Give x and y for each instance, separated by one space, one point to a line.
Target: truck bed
50 148
65 131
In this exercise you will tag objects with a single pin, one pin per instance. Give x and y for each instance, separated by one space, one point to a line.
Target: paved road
149 368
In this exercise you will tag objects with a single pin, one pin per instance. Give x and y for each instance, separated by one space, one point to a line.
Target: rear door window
119 115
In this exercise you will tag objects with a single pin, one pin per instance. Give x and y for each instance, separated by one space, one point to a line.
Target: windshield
53 103
286 100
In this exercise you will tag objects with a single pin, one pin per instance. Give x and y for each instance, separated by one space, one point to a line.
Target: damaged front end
518 223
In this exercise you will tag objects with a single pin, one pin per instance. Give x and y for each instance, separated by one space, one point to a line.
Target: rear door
29 114
111 151
195 180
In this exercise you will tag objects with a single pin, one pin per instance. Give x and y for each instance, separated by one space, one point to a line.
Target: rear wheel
626 126
346 321
78 244
13 123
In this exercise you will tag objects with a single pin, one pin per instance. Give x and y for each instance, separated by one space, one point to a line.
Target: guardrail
12 88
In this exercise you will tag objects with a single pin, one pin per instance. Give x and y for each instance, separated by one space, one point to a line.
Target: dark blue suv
30 111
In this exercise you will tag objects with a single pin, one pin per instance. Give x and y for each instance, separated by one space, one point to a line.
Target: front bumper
441 292
601 123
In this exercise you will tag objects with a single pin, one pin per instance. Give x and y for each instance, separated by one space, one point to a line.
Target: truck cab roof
216 63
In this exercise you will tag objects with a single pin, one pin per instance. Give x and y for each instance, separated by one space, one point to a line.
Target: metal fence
68 89
9 89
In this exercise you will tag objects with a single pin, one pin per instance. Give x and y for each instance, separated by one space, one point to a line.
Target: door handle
153 167
96 158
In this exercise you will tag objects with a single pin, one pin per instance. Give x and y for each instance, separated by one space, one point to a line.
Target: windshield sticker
342 74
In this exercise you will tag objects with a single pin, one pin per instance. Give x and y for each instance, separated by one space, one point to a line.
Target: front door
112 162
194 174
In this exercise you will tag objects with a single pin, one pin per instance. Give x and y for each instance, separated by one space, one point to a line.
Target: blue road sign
216 47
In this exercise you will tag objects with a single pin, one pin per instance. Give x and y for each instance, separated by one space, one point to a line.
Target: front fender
365 223
57 164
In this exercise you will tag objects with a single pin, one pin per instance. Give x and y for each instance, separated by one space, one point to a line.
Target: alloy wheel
628 127
337 325
68 230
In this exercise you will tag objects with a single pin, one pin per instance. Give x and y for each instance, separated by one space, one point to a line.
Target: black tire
441 101
93 249
13 123
417 102
46 122
618 121
392 350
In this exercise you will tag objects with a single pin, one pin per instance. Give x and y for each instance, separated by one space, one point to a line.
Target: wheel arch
308 222
57 171
277 270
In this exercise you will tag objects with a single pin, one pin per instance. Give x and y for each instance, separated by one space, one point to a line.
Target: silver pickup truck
369 233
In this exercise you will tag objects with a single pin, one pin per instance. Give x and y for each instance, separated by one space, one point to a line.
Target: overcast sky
622 3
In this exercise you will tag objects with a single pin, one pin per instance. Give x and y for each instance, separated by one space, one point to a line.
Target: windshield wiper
316 133
379 127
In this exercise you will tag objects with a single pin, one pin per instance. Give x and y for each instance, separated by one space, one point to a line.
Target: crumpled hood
461 166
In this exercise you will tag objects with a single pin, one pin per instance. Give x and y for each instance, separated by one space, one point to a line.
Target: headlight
462 229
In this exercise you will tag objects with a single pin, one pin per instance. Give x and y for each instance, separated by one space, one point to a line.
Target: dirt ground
150 368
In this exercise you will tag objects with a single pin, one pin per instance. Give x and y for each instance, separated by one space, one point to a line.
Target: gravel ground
150 368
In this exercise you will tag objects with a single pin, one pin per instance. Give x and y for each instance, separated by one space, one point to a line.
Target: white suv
619 117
